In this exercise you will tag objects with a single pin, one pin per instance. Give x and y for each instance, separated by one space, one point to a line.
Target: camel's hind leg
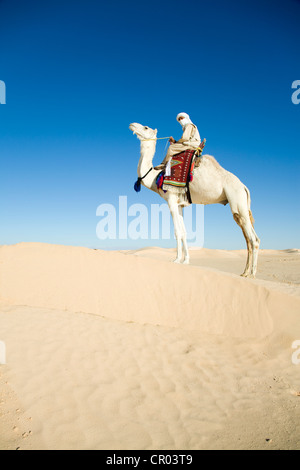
239 200
238 220
252 240
256 244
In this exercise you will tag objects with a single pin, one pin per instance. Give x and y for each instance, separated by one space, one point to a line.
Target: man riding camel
190 140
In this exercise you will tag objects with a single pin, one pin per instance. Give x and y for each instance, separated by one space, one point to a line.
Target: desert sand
126 350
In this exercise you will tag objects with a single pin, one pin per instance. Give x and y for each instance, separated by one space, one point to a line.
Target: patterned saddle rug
181 172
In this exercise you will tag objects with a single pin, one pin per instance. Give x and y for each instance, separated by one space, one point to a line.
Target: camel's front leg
183 234
177 226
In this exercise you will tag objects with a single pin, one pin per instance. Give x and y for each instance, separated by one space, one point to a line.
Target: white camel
211 184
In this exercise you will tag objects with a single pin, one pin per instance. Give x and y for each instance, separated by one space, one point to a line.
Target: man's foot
160 167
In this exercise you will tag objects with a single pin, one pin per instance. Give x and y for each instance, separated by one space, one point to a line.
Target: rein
137 184
155 138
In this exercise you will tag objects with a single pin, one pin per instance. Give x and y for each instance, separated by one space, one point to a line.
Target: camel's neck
147 153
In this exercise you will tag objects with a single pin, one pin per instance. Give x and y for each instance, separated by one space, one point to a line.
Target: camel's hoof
186 261
177 261
248 275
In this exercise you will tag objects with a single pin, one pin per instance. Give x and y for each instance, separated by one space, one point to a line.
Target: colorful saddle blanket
181 170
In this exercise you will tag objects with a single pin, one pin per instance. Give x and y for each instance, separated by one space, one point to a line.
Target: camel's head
143 132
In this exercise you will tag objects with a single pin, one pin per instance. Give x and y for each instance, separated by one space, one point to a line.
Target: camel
211 184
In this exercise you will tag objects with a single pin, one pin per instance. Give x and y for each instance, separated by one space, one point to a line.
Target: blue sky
77 73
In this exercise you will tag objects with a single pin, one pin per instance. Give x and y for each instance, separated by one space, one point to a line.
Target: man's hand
172 140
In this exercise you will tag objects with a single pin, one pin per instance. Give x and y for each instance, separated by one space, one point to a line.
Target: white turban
186 119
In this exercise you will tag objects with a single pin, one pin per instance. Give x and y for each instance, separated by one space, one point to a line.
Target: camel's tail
249 204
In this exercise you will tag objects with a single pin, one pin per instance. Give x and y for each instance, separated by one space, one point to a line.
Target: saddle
180 170
182 167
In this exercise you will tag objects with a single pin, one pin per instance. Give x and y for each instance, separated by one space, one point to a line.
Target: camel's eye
146 128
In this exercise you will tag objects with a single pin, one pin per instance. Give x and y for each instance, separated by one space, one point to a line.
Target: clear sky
78 72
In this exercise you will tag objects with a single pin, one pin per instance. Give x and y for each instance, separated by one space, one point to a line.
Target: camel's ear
155 132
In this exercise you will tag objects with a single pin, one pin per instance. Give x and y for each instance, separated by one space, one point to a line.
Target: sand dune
129 288
125 350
